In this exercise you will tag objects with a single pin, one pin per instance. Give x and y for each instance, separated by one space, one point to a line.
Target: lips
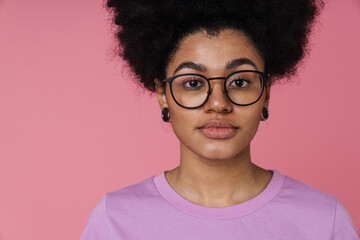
218 124
218 129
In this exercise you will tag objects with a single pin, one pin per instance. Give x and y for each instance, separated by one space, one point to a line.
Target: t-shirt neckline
233 211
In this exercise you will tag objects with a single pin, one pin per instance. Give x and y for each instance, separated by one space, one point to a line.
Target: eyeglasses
242 88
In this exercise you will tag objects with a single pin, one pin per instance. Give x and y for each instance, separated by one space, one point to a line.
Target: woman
212 64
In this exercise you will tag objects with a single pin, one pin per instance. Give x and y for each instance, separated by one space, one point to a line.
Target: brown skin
215 172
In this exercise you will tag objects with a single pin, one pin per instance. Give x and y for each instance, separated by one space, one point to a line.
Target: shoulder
344 227
300 201
120 205
304 194
140 193
97 224
316 207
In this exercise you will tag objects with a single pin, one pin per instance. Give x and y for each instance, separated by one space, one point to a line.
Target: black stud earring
165 115
265 113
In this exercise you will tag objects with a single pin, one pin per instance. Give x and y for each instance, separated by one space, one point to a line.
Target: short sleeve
344 227
96 227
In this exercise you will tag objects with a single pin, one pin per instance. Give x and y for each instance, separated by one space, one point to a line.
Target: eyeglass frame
264 77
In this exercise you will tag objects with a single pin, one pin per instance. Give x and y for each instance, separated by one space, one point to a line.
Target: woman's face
213 54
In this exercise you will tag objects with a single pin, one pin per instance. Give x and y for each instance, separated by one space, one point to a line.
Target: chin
220 152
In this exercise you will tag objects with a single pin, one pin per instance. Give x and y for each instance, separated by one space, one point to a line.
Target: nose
218 101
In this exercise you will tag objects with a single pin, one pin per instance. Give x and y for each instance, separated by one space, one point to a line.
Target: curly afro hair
150 31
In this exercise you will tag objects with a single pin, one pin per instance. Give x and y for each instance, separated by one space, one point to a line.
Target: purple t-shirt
285 209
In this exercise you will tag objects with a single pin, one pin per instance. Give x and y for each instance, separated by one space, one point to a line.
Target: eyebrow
229 65
196 66
240 61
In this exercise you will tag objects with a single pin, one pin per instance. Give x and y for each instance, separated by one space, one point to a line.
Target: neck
219 182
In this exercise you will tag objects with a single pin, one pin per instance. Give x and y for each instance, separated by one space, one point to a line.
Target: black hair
149 31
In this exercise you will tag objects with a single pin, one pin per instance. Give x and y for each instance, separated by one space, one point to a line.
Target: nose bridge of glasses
212 84
214 78
220 95
219 99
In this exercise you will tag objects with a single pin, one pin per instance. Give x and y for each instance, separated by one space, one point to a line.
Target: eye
189 83
193 83
240 83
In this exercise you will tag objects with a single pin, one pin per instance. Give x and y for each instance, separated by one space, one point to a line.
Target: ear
267 91
161 93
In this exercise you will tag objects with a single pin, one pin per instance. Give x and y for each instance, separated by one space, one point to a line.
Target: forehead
215 51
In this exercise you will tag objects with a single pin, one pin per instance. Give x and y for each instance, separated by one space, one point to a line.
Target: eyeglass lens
242 88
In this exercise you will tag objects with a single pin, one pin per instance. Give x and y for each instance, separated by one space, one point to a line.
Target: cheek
184 123
181 118
248 119
251 116
249 123
184 127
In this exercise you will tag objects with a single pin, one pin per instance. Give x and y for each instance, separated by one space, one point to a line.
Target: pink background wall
73 126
